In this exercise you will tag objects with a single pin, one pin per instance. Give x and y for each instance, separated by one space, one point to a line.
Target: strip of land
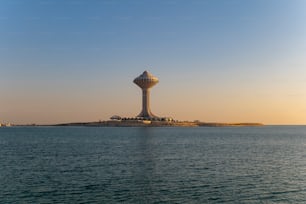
147 123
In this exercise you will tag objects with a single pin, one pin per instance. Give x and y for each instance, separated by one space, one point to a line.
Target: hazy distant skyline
217 60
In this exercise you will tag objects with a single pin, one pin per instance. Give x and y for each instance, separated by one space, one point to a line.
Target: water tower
146 81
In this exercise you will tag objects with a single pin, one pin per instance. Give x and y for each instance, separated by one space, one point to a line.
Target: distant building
146 81
5 125
115 117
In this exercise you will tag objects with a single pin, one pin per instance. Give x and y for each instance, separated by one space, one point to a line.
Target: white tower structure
146 81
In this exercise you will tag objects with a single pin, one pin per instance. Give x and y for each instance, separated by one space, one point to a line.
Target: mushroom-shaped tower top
146 80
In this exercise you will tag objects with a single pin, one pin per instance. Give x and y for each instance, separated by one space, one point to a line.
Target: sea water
153 165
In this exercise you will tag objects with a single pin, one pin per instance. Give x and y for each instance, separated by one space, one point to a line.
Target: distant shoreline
156 124
139 123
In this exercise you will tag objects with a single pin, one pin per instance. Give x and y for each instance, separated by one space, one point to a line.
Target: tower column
146 111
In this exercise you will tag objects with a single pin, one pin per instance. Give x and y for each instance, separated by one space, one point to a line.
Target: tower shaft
146 111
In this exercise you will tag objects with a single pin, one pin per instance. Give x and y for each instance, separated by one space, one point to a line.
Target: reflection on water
153 165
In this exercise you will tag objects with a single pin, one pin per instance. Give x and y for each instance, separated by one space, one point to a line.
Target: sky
217 60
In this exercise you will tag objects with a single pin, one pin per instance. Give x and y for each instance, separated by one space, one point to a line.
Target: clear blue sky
217 60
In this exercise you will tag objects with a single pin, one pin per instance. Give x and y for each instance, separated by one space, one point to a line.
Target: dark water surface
153 165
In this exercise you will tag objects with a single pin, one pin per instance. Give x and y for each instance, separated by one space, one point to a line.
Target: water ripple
153 165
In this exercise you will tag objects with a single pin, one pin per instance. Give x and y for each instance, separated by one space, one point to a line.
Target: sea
265 164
